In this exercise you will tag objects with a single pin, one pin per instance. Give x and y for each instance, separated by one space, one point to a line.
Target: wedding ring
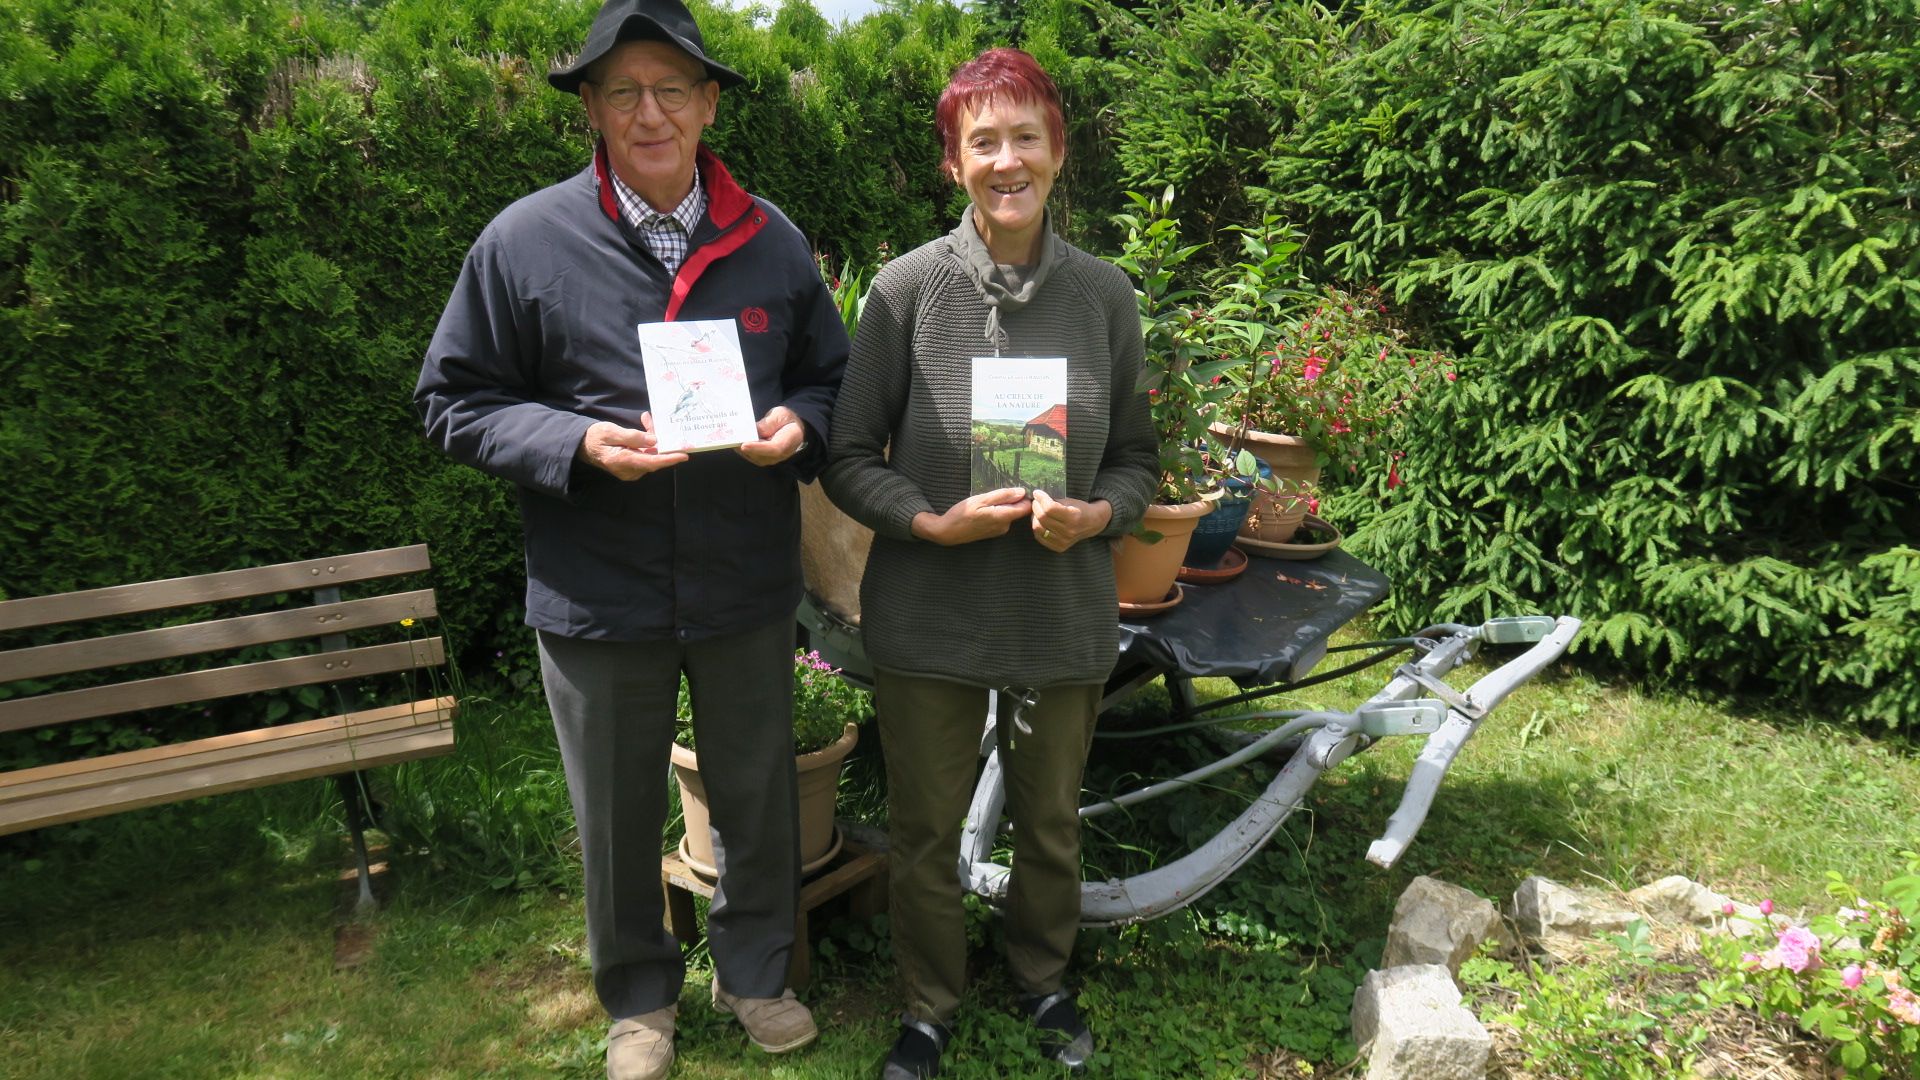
1046 534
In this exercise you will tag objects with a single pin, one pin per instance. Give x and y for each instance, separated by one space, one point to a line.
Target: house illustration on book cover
1047 433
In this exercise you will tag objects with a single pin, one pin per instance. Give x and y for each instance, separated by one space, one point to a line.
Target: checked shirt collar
666 235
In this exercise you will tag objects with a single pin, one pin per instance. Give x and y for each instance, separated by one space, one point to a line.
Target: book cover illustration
697 383
1019 414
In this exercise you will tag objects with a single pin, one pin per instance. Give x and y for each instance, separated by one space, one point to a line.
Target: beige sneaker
641 1047
775 1025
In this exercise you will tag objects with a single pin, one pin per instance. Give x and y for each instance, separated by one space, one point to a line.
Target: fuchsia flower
1726 908
1315 365
1851 977
1766 907
1393 477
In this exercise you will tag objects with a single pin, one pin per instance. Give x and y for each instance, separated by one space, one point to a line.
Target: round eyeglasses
671 94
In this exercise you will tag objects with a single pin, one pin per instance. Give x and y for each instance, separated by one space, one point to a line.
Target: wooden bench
332 745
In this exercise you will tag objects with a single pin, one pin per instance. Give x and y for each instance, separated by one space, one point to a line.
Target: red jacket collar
726 199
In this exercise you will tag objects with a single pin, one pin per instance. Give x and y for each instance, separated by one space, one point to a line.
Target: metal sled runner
1267 631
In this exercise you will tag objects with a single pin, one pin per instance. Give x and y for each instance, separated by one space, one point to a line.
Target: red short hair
1008 75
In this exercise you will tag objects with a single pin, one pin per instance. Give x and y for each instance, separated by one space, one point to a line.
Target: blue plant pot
1215 532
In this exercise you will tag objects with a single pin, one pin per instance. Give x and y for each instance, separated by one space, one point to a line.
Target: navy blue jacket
538 342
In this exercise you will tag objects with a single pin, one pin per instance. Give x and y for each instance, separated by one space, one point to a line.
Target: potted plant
1184 382
1255 502
825 711
1323 376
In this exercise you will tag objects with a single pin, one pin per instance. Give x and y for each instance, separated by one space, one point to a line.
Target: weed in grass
1628 1011
496 810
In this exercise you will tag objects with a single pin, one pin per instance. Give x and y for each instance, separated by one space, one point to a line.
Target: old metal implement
1268 631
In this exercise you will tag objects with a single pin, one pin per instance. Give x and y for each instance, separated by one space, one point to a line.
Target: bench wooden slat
34 611
234 679
173 641
253 742
183 777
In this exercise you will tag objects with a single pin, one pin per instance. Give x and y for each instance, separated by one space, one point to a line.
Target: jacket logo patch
754 320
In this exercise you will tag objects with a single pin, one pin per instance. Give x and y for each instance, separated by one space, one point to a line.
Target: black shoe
916 1053
1063 1037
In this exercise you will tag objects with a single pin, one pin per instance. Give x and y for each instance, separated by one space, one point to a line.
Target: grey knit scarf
965 242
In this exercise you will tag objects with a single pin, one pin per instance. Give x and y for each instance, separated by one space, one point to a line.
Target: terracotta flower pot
1274 518
1289 457
819 783
1143 573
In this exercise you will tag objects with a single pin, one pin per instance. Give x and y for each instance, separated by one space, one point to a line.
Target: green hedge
227 228
1678 249
1674 246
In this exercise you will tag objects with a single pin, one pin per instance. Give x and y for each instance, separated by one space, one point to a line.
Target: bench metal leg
353 793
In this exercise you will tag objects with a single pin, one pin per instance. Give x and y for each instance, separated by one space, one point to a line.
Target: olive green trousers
930 731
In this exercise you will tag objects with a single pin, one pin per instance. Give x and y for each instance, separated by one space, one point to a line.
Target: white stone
1543 907
1438 923
1413 1026
1678 899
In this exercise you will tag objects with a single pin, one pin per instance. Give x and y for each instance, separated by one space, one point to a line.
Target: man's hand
624 452
1061 523
781 434
980 517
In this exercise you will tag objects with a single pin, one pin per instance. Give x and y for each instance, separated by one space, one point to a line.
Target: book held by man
697 384
1019 415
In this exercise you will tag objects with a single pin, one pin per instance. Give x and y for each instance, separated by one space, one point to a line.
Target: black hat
640 20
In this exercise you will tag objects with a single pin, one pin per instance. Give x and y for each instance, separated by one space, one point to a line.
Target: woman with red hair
1009 590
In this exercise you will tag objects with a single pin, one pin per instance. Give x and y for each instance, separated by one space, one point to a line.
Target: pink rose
1798 950
1904 1006
1851 977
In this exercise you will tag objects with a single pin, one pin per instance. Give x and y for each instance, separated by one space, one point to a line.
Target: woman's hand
979 517
1058 524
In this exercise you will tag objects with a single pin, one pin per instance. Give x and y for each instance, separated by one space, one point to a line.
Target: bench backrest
324 619
263 754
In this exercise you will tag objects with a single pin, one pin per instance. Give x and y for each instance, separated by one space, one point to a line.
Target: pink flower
1313 504
1766 907
1904 1006
1314 366
1750 959
1851 914
1451 376
1851 977
1798 950
1726 908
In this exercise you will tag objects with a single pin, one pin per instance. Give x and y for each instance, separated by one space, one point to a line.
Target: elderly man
644 564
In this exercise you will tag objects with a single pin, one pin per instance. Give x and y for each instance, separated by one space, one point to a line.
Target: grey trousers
613 711
930 734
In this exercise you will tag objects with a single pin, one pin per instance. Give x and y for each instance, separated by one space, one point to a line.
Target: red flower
1393 477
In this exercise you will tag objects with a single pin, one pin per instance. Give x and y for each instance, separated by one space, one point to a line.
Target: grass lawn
197 940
